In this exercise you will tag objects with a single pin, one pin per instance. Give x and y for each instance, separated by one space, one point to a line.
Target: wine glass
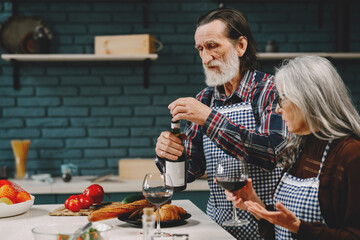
232 174
157 189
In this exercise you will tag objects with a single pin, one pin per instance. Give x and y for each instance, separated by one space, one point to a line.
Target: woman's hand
284 217
239 197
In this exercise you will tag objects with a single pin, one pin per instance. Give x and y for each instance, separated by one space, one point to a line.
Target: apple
6 200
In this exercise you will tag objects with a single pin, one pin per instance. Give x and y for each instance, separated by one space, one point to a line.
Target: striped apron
301 197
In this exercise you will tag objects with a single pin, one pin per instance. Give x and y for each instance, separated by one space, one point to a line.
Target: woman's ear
241 46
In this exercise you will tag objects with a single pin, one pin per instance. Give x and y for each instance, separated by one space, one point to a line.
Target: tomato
85 201
96 192
74 205
67 201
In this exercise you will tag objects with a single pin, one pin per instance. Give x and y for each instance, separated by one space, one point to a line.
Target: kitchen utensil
41 39
80 231
20 149
101 178
16 33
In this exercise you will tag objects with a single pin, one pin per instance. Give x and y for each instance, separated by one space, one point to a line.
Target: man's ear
241 46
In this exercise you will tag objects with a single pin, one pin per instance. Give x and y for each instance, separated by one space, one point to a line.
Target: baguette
116 210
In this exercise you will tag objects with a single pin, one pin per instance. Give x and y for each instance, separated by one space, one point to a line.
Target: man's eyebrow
205 43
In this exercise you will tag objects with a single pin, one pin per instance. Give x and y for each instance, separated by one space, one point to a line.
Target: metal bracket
16 80
146 72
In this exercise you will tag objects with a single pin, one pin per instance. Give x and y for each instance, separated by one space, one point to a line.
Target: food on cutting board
134 211
96 192
12 193
169 212
85 201
92 194
116 209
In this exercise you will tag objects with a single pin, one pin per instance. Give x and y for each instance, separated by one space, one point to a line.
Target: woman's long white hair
313 84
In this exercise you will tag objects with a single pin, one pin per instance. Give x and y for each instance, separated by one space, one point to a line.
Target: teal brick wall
92 114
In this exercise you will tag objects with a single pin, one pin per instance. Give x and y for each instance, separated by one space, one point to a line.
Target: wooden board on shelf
125 44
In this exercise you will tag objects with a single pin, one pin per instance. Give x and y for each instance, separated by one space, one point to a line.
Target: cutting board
62 211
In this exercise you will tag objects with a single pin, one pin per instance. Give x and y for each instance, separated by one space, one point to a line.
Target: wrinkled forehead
212 31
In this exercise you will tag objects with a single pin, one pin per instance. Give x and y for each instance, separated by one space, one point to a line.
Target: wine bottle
177 169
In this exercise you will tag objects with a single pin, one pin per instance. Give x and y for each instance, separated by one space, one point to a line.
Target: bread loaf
171 212
115 210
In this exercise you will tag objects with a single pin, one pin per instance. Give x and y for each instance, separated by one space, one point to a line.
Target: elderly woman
318 196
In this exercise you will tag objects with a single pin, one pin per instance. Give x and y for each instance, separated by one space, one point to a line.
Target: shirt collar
242 90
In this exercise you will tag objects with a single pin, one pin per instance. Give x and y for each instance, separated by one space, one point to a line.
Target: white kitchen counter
199 226
79 183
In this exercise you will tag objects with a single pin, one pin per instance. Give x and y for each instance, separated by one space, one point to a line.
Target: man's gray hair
314 86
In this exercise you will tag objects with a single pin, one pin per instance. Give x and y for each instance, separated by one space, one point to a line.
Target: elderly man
234 116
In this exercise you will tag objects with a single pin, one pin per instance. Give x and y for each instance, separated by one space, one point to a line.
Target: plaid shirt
260 147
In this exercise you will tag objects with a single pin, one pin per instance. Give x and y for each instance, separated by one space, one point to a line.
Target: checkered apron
301 197
218 208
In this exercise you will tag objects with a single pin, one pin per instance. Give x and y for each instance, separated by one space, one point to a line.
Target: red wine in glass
157 189
158 198
231 184
231 174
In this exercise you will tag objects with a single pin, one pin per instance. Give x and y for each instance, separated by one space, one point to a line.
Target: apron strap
322 159
324 155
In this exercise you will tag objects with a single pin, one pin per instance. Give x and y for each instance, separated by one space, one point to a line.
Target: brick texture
94 113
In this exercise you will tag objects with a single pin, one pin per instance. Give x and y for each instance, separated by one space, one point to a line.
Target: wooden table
199 226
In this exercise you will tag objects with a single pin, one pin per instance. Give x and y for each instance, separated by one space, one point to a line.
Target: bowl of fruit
14 200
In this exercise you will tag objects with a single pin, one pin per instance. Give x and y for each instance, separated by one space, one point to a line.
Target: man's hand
283 217
189 109
168 146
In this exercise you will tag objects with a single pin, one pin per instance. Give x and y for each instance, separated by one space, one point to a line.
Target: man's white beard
228 70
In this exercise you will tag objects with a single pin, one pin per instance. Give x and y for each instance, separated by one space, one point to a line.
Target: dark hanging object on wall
271 46
41 39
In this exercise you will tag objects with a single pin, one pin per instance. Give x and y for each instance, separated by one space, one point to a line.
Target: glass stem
235 217
158 230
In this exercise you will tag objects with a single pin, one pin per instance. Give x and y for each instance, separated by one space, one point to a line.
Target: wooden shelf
15 59
75 57
142 57
284 55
